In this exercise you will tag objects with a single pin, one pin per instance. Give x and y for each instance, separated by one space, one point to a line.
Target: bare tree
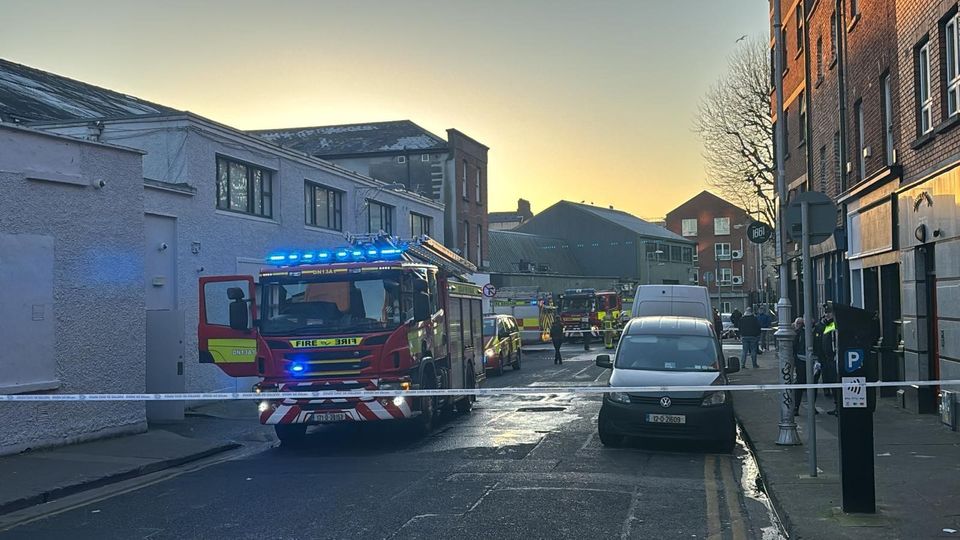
737 131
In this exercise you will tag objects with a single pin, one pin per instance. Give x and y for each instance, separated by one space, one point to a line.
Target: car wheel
291 434
607 436
517 358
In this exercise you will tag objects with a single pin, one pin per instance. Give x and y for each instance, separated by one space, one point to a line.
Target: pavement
917 467
41 476
522 467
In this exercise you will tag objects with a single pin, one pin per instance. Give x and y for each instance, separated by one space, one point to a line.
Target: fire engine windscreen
578 303
332 304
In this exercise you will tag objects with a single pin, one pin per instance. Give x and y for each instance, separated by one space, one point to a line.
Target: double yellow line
711 467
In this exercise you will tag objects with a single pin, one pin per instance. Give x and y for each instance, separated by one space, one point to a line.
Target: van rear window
680 309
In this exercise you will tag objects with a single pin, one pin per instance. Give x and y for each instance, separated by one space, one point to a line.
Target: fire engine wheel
291 433
517 357
423 424
465 405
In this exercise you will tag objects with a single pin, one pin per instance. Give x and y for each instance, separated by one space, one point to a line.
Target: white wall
86 294
183 151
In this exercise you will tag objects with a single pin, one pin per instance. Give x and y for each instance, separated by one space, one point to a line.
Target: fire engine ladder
421 249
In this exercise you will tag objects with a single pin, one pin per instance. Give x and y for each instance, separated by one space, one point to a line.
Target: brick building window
836 161
803 118
479 196
244 188
725 276
924 96
783 53
463 181
951 41
888 118
688 227
687 255
819 57
721 226
833 37
721 251
799 27
466 240
324 206
479 245
861 143
786 134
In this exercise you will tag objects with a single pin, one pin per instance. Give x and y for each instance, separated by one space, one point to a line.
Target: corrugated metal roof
366 138
629 221
32 95
508 249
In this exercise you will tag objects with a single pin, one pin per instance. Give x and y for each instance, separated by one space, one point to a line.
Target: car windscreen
668 353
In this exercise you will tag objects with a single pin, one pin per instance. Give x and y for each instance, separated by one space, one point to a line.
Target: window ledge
785 71
315 228
853 22
802 144
799 52
833 62
922 140
246 216
948 124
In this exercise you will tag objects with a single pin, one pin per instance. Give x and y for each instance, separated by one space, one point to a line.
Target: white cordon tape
535 391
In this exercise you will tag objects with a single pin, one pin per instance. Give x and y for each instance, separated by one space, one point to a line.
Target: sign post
857 331
812 216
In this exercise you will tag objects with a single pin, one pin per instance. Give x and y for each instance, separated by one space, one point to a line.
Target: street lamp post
646 255
784 335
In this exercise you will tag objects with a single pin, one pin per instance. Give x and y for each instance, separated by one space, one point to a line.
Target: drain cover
540 409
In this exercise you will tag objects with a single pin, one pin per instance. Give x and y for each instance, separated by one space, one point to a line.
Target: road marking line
631 514
587 442
734 510
710 488
577 374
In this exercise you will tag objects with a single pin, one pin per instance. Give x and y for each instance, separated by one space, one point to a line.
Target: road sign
854 392
489 290
854 360
759 232
822 216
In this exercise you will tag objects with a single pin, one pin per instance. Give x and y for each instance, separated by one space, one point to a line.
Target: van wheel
518 357
291 434
607 436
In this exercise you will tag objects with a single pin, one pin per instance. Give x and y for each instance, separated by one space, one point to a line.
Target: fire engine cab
377 314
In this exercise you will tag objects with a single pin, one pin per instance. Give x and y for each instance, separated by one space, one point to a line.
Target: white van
676 300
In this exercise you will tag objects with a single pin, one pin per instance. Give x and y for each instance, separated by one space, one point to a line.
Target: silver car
668 351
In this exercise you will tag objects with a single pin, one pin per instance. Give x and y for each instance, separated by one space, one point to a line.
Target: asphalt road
516 467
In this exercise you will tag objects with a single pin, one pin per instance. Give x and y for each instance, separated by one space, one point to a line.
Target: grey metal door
165 363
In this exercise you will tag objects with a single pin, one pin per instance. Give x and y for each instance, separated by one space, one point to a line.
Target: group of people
824 359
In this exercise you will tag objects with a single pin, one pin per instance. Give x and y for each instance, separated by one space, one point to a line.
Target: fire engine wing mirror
603 360
421 306
239 318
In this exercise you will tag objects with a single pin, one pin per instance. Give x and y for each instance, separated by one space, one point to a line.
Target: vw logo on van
665 402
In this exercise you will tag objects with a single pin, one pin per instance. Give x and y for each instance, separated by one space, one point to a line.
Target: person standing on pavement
824 336
735 319
556 336
764 319
749 336
800 367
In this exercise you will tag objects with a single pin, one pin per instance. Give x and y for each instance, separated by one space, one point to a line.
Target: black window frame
334 206
424 220
385 212
266 187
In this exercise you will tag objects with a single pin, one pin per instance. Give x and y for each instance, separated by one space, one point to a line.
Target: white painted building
72 312
216 201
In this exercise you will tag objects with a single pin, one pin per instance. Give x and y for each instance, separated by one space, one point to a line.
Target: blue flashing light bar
345 254
298 368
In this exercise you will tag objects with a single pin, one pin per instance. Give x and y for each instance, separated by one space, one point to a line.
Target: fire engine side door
233 350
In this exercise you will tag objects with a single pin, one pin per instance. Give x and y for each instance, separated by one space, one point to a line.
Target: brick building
727 263
874 129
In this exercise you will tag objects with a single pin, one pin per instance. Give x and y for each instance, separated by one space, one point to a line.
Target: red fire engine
375 315
583 311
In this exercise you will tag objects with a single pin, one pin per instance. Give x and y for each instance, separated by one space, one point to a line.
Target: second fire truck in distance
374 315
583 312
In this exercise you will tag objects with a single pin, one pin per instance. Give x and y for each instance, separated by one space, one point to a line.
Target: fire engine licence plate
329 417
667 418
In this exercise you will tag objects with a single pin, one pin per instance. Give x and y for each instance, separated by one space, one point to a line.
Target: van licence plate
666 418
329 417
